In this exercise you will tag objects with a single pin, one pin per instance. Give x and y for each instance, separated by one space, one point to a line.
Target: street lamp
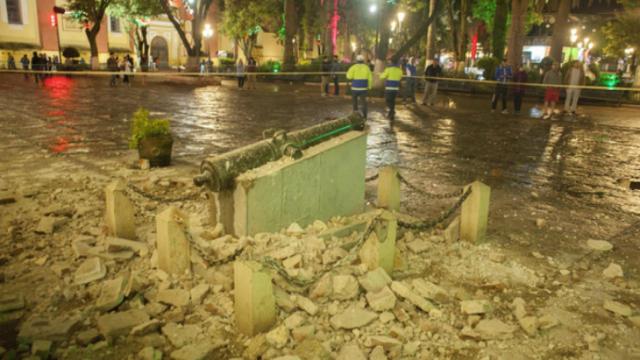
401 16
373 8
353 46
393 25
207 33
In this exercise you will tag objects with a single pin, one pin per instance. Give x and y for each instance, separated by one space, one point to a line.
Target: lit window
115 24
14 15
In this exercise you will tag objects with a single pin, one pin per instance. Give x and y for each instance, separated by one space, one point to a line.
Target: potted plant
152 138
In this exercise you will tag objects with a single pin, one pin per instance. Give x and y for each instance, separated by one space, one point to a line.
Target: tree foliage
621 33
195 16
244 19
90 12
137 14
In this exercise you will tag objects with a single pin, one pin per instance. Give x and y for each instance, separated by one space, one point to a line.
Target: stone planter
156 149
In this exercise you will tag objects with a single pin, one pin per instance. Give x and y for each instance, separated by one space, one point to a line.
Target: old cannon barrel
218 172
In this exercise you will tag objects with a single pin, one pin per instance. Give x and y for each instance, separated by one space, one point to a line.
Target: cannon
218 173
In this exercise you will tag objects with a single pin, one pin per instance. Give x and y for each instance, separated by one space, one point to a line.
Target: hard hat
360 58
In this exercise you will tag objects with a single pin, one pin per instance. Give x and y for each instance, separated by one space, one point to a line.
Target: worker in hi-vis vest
361 82
392 75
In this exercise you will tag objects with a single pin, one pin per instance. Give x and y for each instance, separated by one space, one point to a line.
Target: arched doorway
160 51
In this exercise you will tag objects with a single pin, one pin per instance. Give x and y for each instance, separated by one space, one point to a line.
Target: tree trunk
517 31
560 32
346 42
453 26
92 35
462 36
430 46
290 33
499 31
420 32
383 44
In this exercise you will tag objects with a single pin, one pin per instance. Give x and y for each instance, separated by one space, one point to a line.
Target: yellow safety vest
393 75
360 76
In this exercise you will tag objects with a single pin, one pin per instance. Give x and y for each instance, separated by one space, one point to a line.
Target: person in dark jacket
35 65
434 70
25 65
520 77
325 68
335 69
502 76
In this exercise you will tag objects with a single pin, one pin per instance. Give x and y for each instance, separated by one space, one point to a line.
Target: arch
160 51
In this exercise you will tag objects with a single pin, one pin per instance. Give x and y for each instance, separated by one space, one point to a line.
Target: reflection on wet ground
438 148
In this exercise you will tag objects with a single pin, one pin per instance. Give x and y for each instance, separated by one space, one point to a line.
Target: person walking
335 69
35 65
240 73
520 77
361 81
25 65
325 69
252 67
411 72
11 62
574 78
203 67
126 67
552 93
433 71
392 75
112 66
503 75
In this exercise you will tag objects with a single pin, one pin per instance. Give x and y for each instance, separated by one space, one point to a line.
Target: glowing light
574 31
393 25
373 8
401 16
54 20
590 46
208 31
353 46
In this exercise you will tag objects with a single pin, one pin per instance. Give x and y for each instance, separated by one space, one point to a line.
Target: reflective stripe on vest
392 85
359 84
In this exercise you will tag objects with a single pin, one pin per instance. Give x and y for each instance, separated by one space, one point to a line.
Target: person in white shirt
574 78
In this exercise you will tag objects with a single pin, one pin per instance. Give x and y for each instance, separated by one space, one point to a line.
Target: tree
499 31
91 13
621 33
430 45
418 33
458 26
195 15
291 28
560 29
517 30
137 13
244 19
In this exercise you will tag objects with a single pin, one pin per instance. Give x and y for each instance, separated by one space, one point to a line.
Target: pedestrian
392 75
55 63
11 62
252 67
552 93
112 66
433 71
25 65
35 65
203 67
325 69
503 75
574 78
520 77
240 73
361 81
125 66
410 72
335 69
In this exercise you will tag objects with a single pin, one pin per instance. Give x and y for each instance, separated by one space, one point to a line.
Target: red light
54 20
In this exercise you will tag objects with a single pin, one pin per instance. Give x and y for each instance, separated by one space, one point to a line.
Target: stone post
475 213
389 188
120 214
254 301
174 252
379 250
221 209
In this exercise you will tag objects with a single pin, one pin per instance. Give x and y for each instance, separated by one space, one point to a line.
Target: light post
54 22
207 33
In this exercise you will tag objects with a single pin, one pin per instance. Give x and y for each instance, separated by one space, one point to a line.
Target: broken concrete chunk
294 320
418 246
599 245
351 352
385 341
382 300
613 271
494 329
90 270
49 224
175 297
352 318
404 292
181 335
378 354
11 302
429 290
120 323
344 287
146 328
112 293
307 305
283 300
303 332
471 307
198 293
41 348
200 351
617 308
87 337
375 280
45 328
115 245
150 353
119 213
278 337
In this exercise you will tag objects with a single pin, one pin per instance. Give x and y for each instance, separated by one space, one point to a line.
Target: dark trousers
362 95
410 90
390 99
517 101
336 85
114 80
241 81
501 92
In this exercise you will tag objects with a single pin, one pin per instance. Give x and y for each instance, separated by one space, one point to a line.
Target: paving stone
352 318
617 308
351 352
175 297
120 323
599 245
382 300
181 335
119 212
472 307
112 294
90 270
345 287
404 292
375 280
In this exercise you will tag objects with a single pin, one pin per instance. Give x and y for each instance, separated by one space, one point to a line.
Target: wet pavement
575 165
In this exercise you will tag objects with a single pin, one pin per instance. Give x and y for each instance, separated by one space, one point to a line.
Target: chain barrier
429 224
428 194
158 198
205 254
302 283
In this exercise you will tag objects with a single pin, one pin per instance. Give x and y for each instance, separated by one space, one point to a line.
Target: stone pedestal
174 252
475 213
389 188
254 301
379 249
120 214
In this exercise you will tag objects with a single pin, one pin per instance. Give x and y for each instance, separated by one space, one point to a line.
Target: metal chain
276 266
427 194
205 255
157 198
428 224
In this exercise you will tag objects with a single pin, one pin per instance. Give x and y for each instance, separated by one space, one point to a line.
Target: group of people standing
115 64
38 62
506 79
247 74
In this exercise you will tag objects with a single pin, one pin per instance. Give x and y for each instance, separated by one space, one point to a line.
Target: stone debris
494 329
472 307
429 290
418 246
198 293
307 305
599 245
120 323
617 308
406 293
200 351
116 245
613 271
352 318
112 293
49 224
175 297
146 328
375 280
345 287
382 300
278 337
181 335
40 327
6 198
11 302
351 352
41 348
91 270
150 353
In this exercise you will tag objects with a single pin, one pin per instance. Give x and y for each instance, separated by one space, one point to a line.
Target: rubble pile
70 289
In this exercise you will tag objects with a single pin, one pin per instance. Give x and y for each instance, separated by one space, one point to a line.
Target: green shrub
226 61
142 126
489 65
